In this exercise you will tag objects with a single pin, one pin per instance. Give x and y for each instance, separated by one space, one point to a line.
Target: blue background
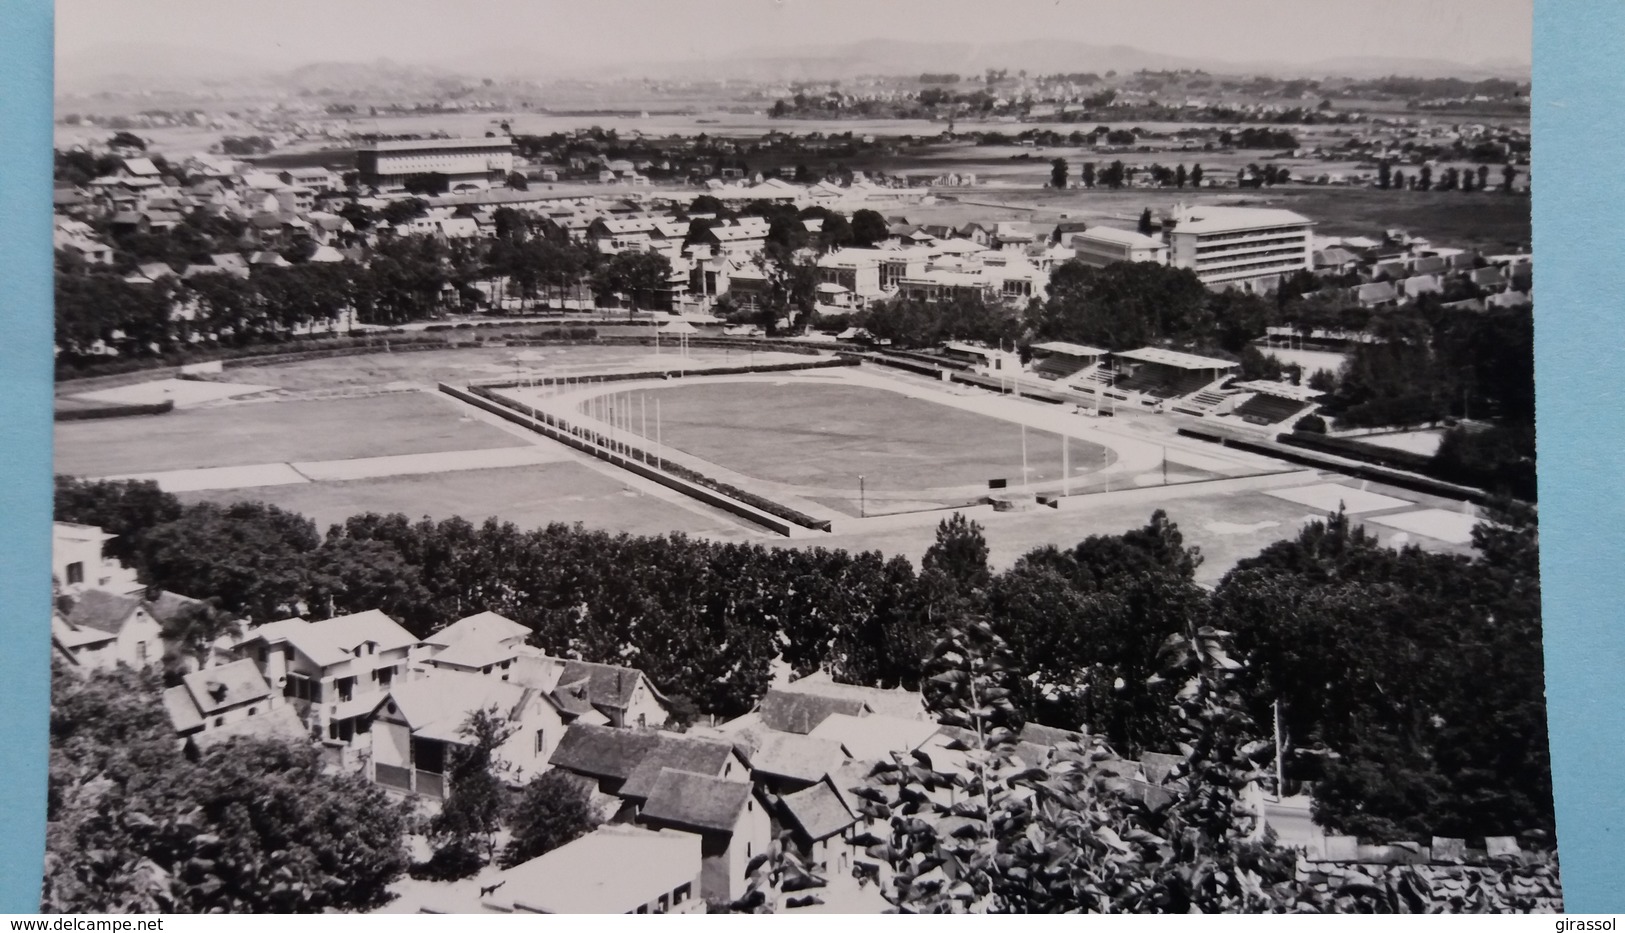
1580 153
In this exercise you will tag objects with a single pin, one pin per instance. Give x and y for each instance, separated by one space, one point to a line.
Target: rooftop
408 145
612 870
696 801
1130 238
1069 349
874 737
1174 358
1225 219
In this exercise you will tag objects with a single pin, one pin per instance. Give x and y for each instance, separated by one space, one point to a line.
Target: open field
529 496
427 367
1490 220
272 432
1227 527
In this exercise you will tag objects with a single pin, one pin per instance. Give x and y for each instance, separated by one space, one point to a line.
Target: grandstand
1273 403
1159 375
1060 361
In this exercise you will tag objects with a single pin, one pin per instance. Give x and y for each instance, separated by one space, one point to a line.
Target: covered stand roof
1174 358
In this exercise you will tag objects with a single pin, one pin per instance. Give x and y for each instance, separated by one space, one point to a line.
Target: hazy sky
293 32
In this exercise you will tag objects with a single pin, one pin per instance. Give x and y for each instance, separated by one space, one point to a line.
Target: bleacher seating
1098 379
1269 409
1201 403
1059 367
1163 385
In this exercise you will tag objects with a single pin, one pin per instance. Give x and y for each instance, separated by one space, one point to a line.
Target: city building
1240 247
1102 246
77 563
466 163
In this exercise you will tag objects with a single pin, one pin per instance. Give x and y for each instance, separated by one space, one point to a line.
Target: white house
334 672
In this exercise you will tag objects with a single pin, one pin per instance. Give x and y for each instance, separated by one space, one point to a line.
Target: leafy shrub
452 862
1312 424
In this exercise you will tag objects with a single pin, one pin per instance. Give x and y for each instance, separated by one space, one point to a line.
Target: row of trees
1452 179
705 620
1116 175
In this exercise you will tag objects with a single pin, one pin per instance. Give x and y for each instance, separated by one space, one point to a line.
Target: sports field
529 496
272 432
427 367
821 436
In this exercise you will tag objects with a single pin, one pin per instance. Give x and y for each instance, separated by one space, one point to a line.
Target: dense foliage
252 827
1387 662
553 809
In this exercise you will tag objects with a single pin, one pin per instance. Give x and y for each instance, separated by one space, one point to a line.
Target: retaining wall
1153 494
694 490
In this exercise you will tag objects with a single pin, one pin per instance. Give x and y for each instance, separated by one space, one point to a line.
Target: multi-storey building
1240 247
466 163
1102 246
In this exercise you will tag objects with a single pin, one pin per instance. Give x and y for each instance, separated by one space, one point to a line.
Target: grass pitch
271 432
822 437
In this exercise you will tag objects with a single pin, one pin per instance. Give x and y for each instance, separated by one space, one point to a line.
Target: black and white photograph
795 457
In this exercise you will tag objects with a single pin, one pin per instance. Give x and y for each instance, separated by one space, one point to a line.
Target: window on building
665 903
141 652
680 895
541 740
219 721
252 710
76 572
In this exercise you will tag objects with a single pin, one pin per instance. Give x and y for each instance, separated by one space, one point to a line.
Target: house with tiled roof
800 713
334 672
819 821
603 754
418 723
103 629
219 703
732 822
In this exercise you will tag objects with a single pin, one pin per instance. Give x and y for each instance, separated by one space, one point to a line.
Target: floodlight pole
863 499
1026 481
1066 465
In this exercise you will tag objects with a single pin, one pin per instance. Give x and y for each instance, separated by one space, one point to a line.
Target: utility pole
863 499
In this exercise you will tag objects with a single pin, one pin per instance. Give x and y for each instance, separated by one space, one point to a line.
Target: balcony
410 780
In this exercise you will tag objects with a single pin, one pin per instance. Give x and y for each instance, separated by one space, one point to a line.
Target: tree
1509 174
635 275
1399 180
254 826
1146 224
471 815
126 509
1483 177
518 182
1180 175
254 557
868 228
1384 175
1057 173
127 140
195 627
1424 180
1196 175
1088 174
959 553
554 808
792 291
